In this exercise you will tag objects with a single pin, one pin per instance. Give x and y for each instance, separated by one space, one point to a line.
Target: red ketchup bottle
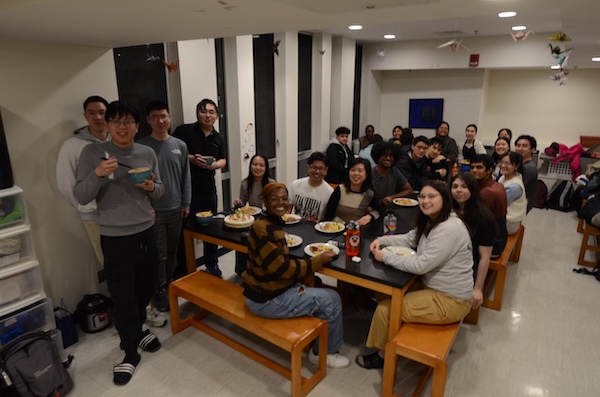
353 239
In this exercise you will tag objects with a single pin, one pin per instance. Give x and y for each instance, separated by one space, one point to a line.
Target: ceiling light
507 14
355 27
519 27
389 36
596 59
555 67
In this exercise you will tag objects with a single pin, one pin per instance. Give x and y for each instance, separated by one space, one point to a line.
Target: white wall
43 89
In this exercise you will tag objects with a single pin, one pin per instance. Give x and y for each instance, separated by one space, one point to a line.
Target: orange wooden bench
425 343
225 299
588 231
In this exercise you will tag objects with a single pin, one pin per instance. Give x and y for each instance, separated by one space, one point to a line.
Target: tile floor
543 343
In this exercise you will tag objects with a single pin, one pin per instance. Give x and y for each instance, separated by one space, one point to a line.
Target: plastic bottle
454 169
389 223
353 239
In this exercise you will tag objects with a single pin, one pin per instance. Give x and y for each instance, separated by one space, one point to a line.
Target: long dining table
367 273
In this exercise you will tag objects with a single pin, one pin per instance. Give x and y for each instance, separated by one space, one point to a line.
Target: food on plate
331 226
320 248
290 217
404 201
204 214
248 210
292 240
239 217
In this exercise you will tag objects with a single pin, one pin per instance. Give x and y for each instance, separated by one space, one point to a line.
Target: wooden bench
225 299
512 252
425 343
588 231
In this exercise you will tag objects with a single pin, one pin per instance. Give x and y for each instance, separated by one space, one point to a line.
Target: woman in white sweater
511 169
472 145
443 258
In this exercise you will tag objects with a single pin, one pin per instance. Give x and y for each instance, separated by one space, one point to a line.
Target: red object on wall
474 60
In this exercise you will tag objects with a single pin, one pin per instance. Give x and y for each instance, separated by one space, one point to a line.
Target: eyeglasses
429 196
161 117
126 123
317 169
421 147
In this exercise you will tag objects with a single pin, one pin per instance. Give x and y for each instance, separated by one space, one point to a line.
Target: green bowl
139 175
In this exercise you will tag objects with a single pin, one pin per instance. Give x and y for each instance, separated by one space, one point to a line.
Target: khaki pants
426 306
93 231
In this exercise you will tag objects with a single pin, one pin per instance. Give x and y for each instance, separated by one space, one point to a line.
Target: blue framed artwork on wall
425 113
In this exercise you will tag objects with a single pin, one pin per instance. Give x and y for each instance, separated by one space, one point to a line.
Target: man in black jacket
338 155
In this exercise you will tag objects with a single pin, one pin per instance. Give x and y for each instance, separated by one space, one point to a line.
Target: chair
588 231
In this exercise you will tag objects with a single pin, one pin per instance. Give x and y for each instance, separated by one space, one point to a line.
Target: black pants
130 265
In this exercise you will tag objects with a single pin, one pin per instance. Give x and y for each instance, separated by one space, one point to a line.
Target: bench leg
472 317
439 379
516 254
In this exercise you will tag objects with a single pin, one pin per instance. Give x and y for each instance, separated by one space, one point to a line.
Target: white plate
405 202
313 249
250 210
330 227
293 240
290 219
236 224
398 250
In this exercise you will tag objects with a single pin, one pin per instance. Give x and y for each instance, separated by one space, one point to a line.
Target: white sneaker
154 318
335 360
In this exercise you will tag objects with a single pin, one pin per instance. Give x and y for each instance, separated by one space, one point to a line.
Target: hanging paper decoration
171 67
560 77
520 35
380 54
559 55
560 36
454 45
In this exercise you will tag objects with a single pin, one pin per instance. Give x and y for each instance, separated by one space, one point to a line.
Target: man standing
206 149
338 155
96 131
526 146
388 181
493 195
309 195
174 205
414 165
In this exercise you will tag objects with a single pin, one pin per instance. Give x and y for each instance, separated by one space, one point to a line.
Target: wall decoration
425 113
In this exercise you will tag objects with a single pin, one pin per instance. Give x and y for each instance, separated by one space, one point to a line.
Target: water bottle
353 239
389 223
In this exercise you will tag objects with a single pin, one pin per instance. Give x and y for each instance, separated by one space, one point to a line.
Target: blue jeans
300 300
168 229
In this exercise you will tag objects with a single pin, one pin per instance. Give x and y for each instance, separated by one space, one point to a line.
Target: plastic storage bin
19 282
12 207
35 315
15 245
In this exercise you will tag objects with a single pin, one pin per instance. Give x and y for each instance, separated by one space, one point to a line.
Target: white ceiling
118 23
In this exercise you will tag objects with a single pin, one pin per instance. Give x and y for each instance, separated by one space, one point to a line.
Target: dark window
304 91
357 82
141 78
264 94
221 99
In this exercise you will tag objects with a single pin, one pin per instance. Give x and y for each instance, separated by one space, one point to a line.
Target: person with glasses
274 283
501 147
126 220
338 155
173 206
443 259
388 181
96 131
414 164
309 195
206 149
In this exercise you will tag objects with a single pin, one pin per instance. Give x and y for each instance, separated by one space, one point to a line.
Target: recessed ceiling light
596 59
355 27
389 36
555 67
519 27
507 14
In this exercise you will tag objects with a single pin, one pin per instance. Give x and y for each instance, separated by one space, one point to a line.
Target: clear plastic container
20 281
12 207
32 314
15 245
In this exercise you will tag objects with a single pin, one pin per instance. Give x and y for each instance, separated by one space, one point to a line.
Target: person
443 259
494 197
309 195
354 199
338 154
414 165
437 166
406 141
472 145
94 109
173 206
505 133
450 147
510 168
366 153
365 140
481 225
526 146
274 282
202 141
251 187
501 146
396 134
126 220
388 181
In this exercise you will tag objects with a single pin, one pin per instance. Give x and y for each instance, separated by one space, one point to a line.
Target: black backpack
560 196
32 367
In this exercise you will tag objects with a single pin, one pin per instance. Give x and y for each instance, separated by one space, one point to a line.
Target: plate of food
249 210
315 249
330 227
293 240
291 219
398 250
238 220
405 202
